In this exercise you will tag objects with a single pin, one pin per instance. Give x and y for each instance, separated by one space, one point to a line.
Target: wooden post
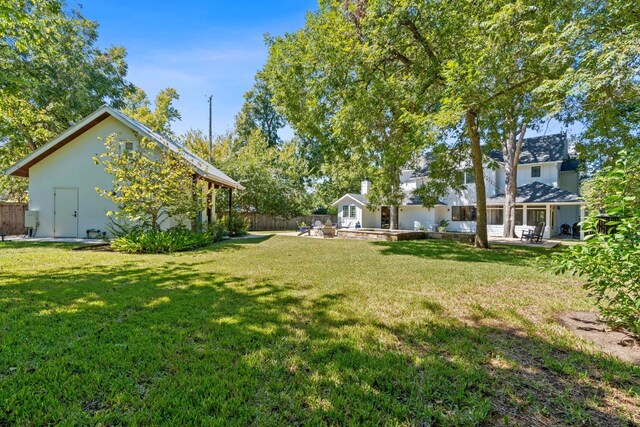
194 223
209 215
230 204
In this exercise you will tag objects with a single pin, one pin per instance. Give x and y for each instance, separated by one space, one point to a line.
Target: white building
63 176
548 191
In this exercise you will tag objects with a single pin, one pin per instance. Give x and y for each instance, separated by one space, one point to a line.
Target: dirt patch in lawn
617 343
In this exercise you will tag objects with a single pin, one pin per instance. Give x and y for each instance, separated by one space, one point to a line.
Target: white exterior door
65 212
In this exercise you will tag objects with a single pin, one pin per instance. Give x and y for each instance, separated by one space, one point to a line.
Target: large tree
258 113
347 98
160 117
603 83
51 75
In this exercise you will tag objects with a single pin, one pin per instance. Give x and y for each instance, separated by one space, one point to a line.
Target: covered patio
538 202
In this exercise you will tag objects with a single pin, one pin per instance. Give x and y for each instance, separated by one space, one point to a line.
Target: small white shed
63 176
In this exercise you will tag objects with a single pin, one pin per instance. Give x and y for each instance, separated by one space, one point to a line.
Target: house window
463 213
535 216
469 177
128 146
348 211
495 216
499 217
535 172
518 220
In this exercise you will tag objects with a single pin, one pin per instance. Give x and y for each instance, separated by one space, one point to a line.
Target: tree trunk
31 144
511 153
393 217
478 171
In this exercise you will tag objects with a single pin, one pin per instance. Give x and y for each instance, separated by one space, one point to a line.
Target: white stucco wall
72 166
412 217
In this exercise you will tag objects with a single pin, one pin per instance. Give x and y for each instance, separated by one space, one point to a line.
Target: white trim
199 164
337 202
44 148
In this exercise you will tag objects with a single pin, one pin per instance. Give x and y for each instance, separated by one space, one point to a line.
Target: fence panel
264 222
12 217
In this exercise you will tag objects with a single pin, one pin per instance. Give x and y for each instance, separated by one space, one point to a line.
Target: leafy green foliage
610 262
52 74
161 241
274 176
217 229
258 113
138 107
237 226
150 183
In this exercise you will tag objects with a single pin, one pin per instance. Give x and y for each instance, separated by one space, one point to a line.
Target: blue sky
203 47
196 47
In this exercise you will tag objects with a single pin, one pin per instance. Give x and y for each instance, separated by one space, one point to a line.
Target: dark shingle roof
547 148
537 192
569 165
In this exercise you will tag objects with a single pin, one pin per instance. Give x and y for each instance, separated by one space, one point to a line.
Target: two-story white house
548 191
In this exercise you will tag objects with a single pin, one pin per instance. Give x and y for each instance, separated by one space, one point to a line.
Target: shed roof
201 167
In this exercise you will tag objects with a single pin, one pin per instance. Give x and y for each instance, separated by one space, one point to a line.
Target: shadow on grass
457 251
131 345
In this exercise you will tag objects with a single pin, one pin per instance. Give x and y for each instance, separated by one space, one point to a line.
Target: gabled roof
537 192
541 149
355 197
201 167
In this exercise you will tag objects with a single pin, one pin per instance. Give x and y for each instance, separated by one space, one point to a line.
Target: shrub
216 229
157 241
238 226
610 262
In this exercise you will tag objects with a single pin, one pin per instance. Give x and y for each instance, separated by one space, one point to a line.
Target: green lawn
285 330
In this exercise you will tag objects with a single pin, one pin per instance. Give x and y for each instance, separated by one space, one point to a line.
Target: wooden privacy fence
264 222
12 217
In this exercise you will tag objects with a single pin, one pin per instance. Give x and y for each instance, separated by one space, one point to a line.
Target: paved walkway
52 239
548 244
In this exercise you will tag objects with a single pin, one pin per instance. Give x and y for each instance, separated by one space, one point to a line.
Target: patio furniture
565 230
3 235
317 228
328 230
576 230
535 235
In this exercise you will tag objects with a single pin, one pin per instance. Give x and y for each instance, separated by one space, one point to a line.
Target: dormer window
469 177
535 172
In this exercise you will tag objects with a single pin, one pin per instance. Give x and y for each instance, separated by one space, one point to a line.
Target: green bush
158 241
610 262
217 229
238 226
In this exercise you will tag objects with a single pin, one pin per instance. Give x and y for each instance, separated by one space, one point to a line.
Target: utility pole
210 130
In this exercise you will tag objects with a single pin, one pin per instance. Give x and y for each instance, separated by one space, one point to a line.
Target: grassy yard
285 330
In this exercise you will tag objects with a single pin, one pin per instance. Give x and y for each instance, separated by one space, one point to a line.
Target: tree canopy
52 74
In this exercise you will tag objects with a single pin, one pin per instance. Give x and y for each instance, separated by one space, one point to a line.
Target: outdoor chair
317 228
535 235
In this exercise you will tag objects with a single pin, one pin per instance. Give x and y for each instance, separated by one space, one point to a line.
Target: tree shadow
125 344
458 251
